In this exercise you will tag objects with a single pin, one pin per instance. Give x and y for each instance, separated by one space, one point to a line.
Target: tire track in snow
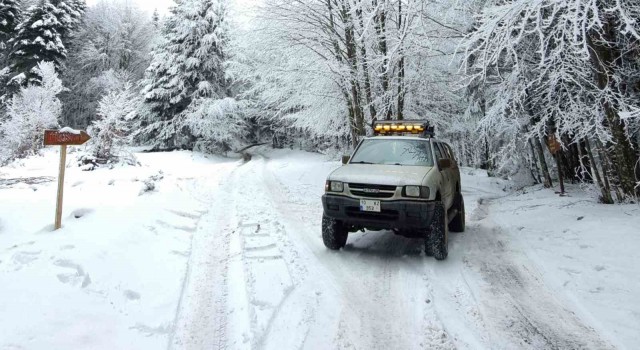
279 312
516 308
380 278
200 320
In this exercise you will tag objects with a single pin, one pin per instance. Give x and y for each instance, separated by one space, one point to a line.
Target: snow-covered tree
217 123
9 18
69 14
111 131
188 65
41 36
38 38
331 67
30 111
563 68
155 19
115 36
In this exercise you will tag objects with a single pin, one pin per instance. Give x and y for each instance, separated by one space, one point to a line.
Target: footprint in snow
131 295
20 259
79 213
79 277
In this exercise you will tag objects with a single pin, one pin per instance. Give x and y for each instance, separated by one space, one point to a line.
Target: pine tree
188 65
156 19
9 19
38 38
10 14
41 36
69 14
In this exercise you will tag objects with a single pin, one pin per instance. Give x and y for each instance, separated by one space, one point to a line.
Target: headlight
416 191
334 186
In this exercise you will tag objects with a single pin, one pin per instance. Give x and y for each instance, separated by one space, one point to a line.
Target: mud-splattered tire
437 240
458 222
428 248
334 233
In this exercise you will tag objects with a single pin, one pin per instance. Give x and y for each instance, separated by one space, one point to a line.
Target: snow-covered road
188 251
264 280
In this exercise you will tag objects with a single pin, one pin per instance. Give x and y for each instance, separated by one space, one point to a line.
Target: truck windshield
393 152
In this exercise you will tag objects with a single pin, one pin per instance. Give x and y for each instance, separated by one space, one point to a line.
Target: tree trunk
365 68
400 107
534 166
543 163
352 52
350 94
605 190
603 59
381 30
606 169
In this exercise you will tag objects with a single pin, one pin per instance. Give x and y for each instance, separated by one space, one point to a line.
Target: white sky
149 5
163 5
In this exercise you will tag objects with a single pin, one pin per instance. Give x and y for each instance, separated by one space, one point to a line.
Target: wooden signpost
555 147
63 138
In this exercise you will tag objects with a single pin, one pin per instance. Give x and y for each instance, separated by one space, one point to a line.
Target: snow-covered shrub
33 109
149 184
111 132
217 123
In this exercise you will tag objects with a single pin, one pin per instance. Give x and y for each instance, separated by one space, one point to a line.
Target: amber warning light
407 127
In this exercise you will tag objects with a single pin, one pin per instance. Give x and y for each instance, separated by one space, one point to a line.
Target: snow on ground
111 278
586 252
226 254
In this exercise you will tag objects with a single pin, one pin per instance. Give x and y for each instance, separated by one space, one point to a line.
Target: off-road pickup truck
401 179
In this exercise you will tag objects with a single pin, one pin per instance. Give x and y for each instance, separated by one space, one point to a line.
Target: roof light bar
403 128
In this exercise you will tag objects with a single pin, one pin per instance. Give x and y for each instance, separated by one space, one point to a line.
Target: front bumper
404 214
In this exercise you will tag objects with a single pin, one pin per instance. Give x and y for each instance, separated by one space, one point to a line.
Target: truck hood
378 174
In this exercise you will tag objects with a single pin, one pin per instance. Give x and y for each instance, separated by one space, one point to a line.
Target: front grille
355 212
371 195
372 191
378 187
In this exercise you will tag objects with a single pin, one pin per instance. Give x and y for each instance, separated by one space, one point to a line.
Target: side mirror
444 163
345 159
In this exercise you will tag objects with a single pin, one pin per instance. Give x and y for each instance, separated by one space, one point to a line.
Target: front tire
458 223
334 233
437 240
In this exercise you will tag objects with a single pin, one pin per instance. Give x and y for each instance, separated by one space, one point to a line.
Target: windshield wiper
361 162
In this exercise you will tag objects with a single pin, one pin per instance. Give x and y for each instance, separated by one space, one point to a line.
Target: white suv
403 180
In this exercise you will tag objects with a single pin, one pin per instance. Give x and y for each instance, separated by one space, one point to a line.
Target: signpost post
63 138
555 147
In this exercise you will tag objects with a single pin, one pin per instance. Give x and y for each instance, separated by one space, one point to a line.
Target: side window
449 152
443 150
439 154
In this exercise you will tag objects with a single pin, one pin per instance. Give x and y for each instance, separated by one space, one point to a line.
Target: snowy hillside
193 251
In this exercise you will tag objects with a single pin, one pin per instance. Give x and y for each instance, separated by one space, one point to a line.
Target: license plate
369 205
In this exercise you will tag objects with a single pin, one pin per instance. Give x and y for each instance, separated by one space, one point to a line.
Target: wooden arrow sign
63 137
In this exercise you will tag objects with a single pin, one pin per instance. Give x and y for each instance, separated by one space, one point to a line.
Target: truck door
455 171
446 192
